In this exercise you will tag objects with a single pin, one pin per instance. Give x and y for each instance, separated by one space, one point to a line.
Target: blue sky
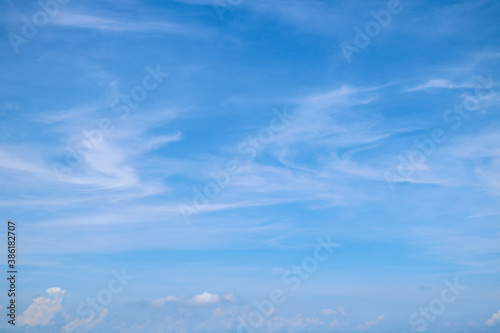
189 158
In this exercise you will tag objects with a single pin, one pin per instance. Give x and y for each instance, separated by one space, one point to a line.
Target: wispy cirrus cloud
441 84
112 24
323 173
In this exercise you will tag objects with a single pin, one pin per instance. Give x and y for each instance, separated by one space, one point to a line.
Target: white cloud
495 319
440 84
162 300
339 310
43 309
367 325
86 324
11 106
224 318
13 161
229 298
159 141
328 312
205 298
110 24
296 323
